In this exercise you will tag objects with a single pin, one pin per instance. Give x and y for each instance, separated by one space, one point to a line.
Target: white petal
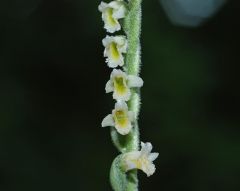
102 6
118 72
122 43
121 105
153 156
149 169
120 40
123 48
123 130
108 121
146 148
109 87
114 63
107 40
116 4
120 12
129 160
133 155
135 81
112 29
130 165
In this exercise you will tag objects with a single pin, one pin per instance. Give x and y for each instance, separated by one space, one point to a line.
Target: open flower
120 118
111 13
142 160
120 84
114 47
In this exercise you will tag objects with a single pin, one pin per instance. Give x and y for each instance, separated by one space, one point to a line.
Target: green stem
120 180
132 28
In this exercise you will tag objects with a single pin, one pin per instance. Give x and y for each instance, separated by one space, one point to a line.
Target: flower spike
142 160
120 118
111 13
124 51
120 84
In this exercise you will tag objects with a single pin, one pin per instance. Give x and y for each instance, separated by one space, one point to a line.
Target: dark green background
52 99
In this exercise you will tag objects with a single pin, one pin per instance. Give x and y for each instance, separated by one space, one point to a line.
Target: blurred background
52 98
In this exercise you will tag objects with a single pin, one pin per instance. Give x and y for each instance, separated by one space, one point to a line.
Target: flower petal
123 130
135 81
153 156
106 40
149 169
121 105
146 148
109 87
108 121
102 6
120 12
122 43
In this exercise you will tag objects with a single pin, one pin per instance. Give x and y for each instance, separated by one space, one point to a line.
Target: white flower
120 118
120 84
111 12
142 160
114 47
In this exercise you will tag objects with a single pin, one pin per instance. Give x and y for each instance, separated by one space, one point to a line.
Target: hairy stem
120 180
132 28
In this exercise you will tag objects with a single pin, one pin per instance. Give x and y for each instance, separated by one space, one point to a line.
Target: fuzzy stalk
130 142
132 28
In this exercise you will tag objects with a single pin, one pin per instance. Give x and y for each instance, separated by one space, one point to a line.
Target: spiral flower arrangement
122 53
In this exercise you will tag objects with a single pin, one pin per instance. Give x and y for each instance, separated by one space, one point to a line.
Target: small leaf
118 177
120 180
